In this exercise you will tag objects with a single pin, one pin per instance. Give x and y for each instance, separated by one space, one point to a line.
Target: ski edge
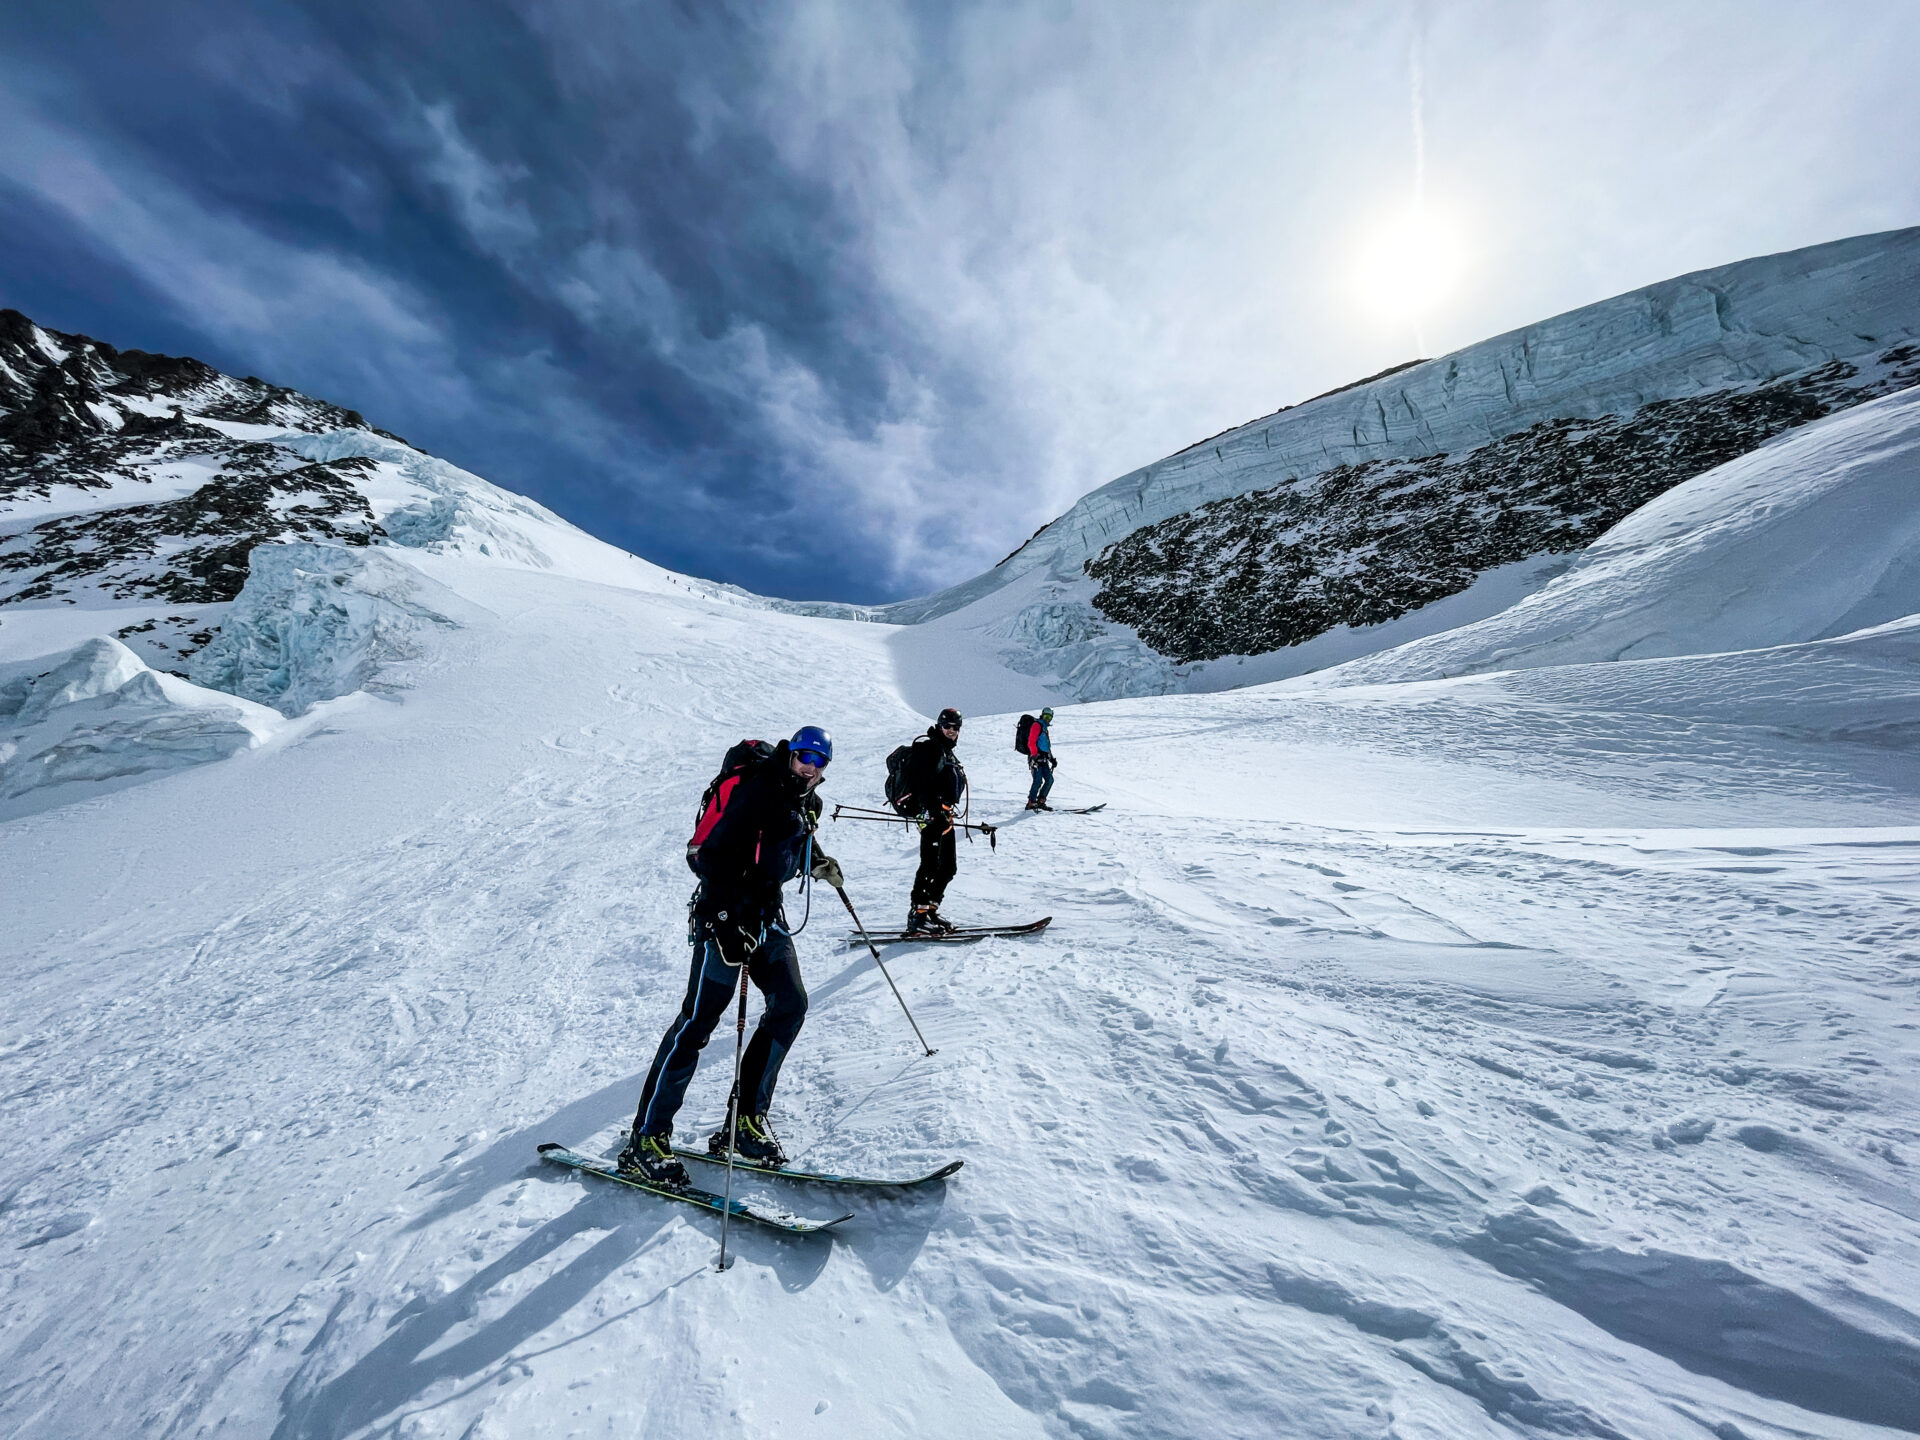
817 1177
570 1159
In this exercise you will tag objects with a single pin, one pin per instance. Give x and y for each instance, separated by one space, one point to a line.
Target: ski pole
733 1111
855 813
874 950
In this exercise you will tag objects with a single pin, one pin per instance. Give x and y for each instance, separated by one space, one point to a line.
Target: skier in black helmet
757 833
936 781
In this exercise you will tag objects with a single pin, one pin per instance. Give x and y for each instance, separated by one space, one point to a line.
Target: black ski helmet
950 716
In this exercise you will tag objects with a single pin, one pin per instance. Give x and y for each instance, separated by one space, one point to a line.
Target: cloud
479 188
279 301
845 298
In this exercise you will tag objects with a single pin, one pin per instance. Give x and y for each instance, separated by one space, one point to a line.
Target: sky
843 300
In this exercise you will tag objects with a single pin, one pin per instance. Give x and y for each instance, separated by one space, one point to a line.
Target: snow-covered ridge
227 532
1814 536
1572 421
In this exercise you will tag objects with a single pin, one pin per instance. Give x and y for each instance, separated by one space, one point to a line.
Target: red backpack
735 766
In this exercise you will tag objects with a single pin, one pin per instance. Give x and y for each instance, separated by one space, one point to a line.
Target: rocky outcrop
1432 494
1362 544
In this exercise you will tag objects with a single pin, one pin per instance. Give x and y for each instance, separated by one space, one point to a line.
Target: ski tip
945 1170
550 1145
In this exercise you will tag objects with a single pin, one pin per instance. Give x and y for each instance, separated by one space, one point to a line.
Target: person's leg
924 882
710 985
1035 787
776 971
946 863
1045 778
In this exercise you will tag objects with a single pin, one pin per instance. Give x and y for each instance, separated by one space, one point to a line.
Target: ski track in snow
1450 1061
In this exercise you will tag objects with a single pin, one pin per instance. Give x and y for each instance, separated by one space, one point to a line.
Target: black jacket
934 775
759 844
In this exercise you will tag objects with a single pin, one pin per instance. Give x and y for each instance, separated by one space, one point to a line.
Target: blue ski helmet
812 738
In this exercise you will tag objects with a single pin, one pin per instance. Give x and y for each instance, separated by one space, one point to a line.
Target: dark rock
1361 544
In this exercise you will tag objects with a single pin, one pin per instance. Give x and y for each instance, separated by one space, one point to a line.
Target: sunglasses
953 725
811 757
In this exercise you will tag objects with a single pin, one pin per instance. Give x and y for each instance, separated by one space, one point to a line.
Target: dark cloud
842 299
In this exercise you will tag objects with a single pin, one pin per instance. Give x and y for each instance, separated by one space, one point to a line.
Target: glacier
1508 1031
1646 368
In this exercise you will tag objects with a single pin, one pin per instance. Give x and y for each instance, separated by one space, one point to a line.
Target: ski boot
756 1142
927 920
651 1158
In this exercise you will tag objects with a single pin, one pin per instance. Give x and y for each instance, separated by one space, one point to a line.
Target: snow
1814 535
1508 1032
152 484
94 718
1729 328
1528 1052
315 622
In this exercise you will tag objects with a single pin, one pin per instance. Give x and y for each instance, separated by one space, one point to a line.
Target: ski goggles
811 757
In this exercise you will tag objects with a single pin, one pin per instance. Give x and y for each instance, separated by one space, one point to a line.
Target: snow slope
1814 535
1527 1053
1428 497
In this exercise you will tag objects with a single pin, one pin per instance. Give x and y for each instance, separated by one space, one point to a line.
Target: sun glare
1408 266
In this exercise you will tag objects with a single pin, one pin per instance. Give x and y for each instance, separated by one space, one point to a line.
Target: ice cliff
1324 531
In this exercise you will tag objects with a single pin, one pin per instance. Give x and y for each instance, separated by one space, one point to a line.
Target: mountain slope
162 523
1410 1056
1328 530
1813 536
1523 1053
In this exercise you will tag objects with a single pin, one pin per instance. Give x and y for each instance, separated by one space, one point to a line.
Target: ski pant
938 861
1042 779
711 987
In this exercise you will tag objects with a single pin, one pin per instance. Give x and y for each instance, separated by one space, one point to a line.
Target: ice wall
317 621
95 717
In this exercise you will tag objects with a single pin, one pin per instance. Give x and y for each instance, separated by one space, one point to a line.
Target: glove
826 868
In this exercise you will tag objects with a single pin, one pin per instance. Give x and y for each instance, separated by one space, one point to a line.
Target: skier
763 837
1040 761
935 781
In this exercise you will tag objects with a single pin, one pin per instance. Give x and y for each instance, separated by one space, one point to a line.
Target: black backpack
747 756
898 796
1023 734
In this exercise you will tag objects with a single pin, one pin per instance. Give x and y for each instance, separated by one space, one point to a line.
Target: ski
705 1199
1072 809
963 933
820 1177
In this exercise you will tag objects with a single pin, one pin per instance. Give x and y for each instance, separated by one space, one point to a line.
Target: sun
1409 265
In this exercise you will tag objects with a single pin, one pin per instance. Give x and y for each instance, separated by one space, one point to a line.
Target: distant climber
1036 742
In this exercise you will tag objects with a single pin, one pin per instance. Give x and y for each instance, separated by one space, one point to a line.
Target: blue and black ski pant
1042 768
711 987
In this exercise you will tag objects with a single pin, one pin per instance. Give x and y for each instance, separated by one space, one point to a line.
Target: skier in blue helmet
755 834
